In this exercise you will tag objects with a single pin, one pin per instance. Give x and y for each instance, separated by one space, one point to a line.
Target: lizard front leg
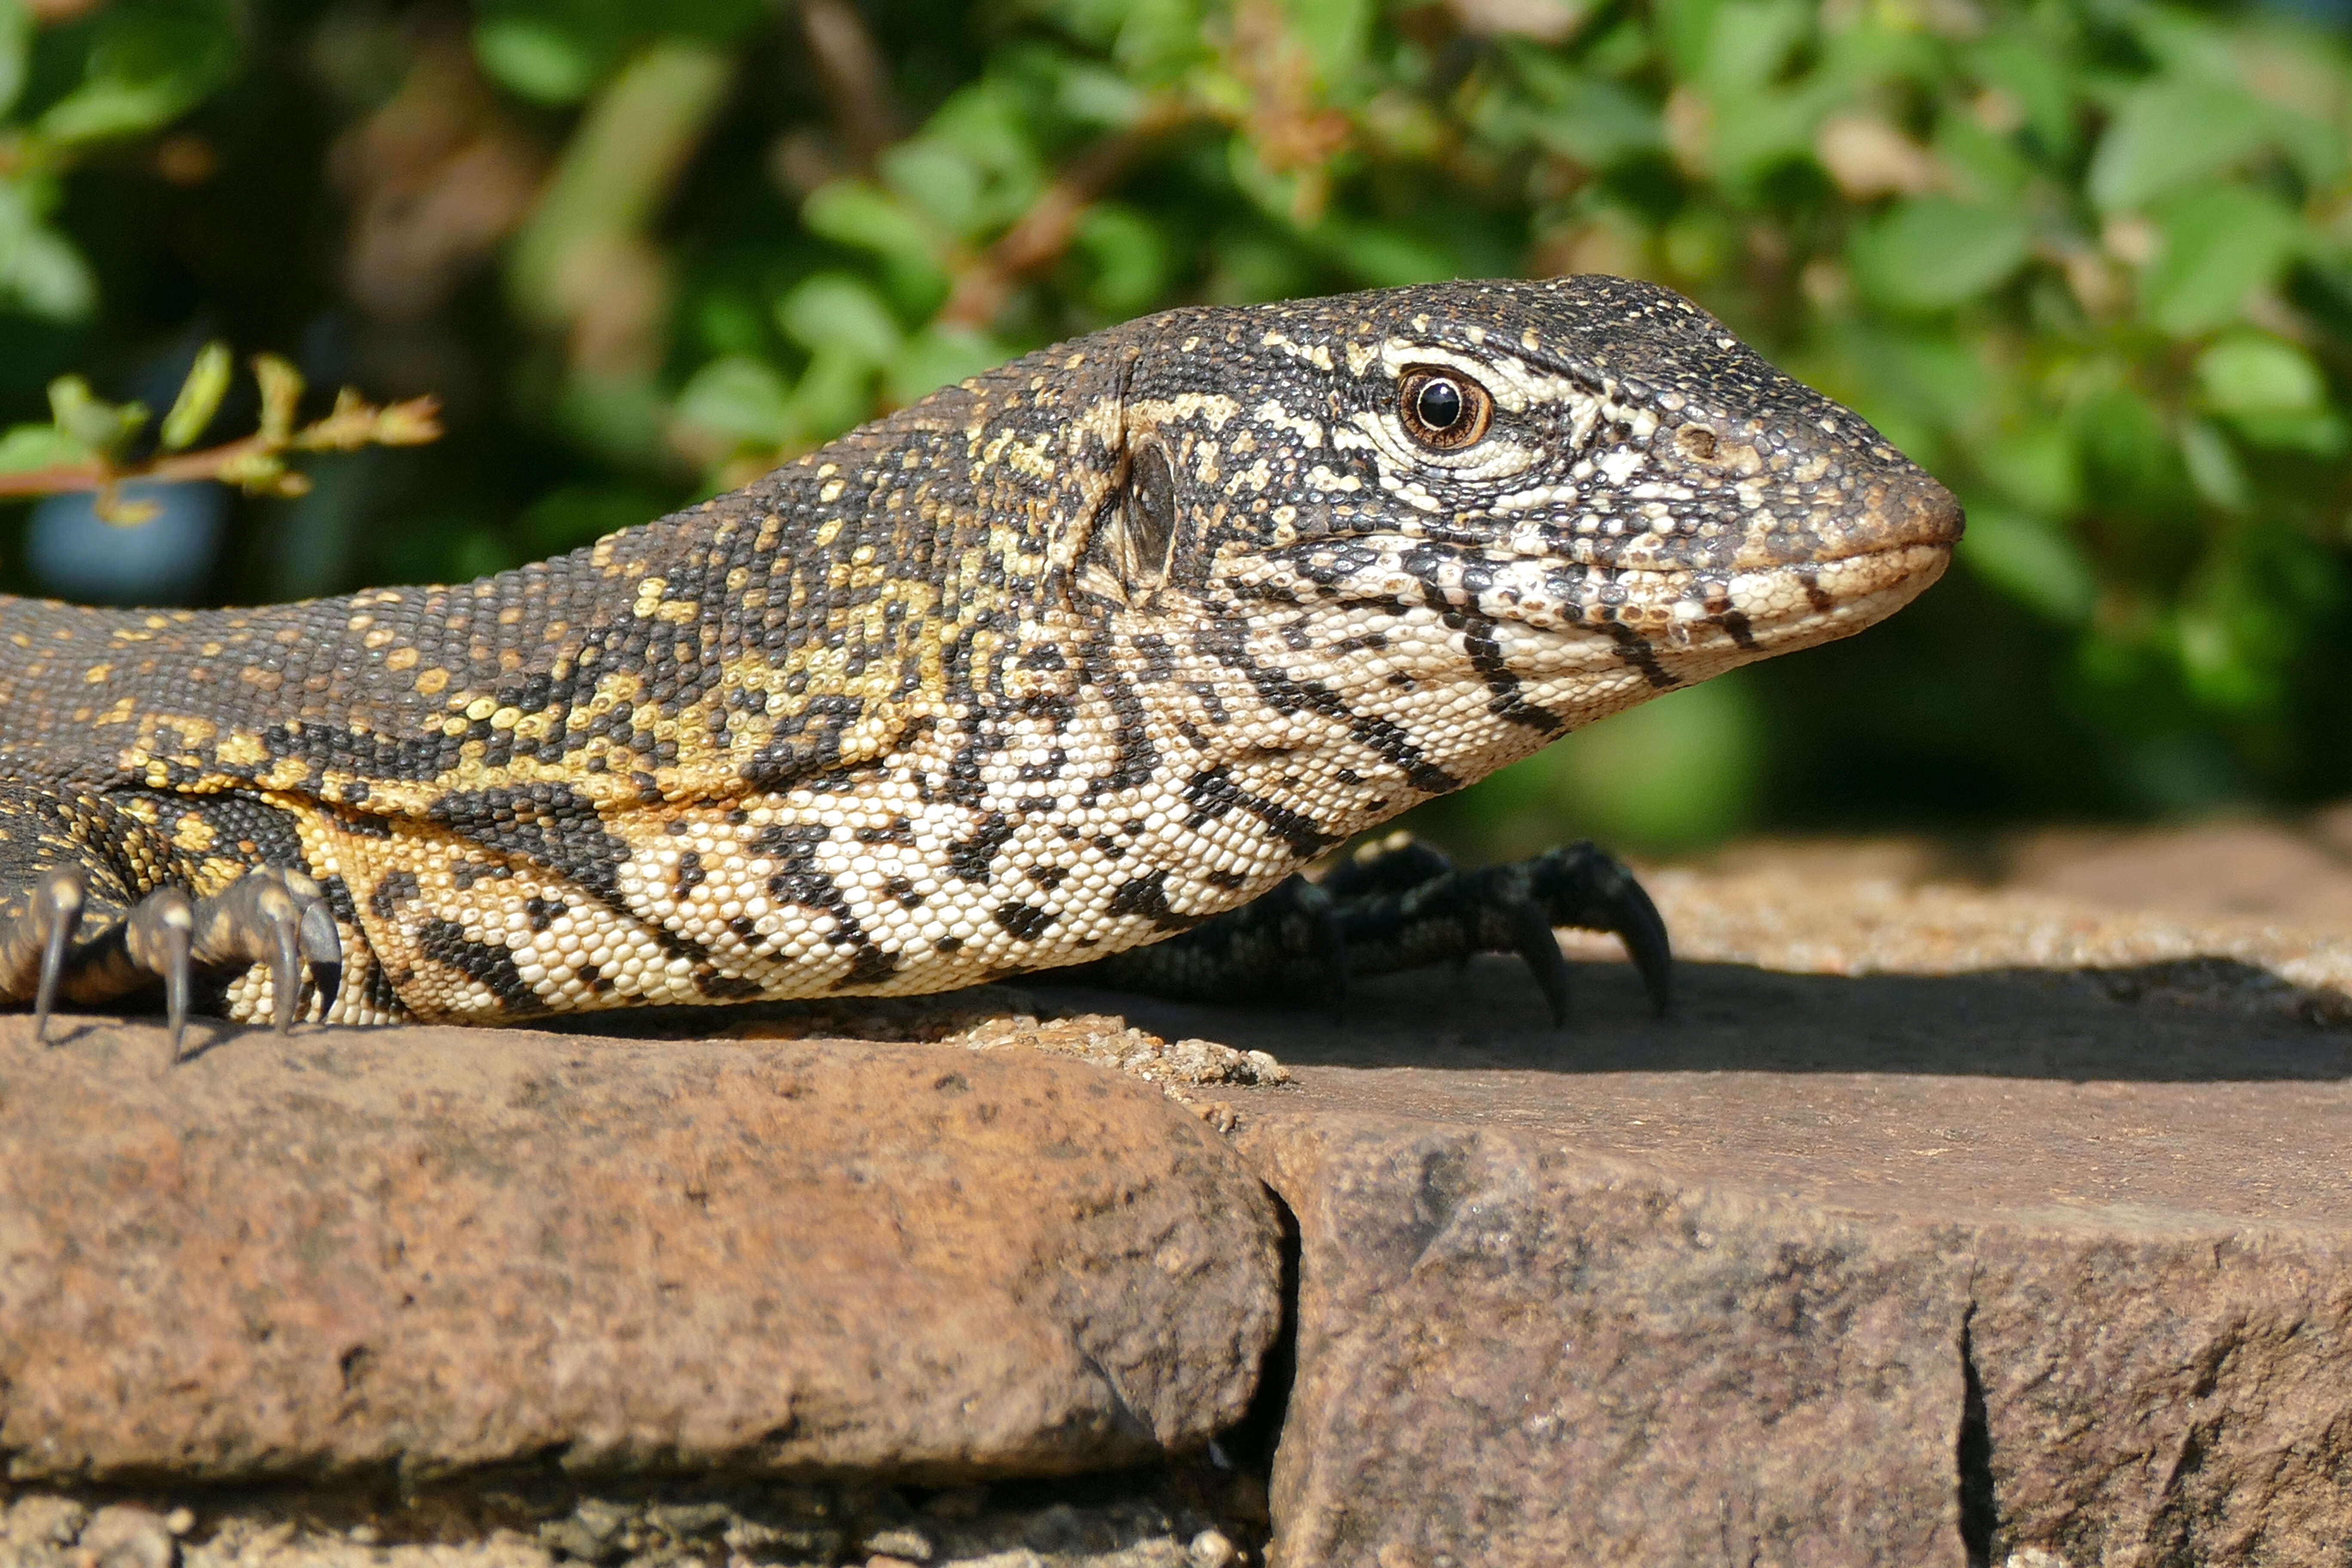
105 896
1399 904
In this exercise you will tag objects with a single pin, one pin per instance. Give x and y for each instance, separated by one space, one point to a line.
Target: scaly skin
1048 666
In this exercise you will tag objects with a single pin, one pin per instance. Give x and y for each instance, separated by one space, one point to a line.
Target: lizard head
1587 489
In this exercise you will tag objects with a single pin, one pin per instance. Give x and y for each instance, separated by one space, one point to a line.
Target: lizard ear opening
1135 538
1151 514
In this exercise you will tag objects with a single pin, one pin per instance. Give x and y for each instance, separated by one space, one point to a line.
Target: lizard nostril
1695 441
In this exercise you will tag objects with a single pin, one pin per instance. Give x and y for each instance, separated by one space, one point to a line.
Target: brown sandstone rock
1513 1349
1509 1354
423 1249
1934 1228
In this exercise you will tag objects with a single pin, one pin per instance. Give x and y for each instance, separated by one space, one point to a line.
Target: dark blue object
164 561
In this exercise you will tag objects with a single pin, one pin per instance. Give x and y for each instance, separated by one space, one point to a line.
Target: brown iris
1444 408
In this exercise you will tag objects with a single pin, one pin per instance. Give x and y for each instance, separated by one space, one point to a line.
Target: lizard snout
1915 510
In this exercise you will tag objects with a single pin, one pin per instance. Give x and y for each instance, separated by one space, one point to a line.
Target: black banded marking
1226 642
1148 896
1486 651
1634 650
446 943
1212 793
551 826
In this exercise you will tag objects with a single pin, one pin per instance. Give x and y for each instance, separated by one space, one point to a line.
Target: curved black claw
1582 886
1532 939
322 949
56 914
277 918
158 936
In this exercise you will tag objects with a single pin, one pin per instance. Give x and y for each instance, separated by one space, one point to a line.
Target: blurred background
2089 260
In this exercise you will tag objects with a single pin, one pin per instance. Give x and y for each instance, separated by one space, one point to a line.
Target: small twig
855 76
353 424
1040 235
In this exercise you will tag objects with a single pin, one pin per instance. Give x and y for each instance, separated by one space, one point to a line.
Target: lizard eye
1444 408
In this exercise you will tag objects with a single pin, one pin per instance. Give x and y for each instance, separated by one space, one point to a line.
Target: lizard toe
278 919
158 937
36 938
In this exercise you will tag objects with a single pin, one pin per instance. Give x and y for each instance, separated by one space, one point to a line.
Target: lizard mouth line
1747 602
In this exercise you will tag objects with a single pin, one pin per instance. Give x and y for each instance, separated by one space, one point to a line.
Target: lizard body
1052 663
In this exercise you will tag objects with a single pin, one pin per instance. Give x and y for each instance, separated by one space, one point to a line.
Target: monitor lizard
1058 662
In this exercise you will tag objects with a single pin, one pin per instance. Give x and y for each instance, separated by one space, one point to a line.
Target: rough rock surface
1509 1353
1937 1226
1187 1516
422 1249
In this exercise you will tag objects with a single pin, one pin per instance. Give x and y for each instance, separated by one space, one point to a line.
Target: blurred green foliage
2089 260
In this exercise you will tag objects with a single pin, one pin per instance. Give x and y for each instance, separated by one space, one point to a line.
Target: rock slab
1973 1229
1515 1349
1511 1353
420 1250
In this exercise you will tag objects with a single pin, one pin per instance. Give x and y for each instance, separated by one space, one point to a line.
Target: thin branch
253 461
1041 235
855 79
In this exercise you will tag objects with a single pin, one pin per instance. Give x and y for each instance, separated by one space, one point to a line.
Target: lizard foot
275 918
1399 904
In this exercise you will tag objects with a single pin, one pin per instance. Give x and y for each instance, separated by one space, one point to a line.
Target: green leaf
1752 39
90 420
111 109
2249 373
1335 32
852 213
835 310
1130 258
948 188
1590 119
1678 771
2036 78
147 66
15 52
199 397
1384 256
937 357
1685 31
1757 129
575 514
28 447
2035 466
836 392
1933 253
1700 243
2130 464
1983 165
1098 96
533 58
2171 133
2316 149
973 167
39 267
2032 560
2321 432
2220 244
737 400
2213 468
